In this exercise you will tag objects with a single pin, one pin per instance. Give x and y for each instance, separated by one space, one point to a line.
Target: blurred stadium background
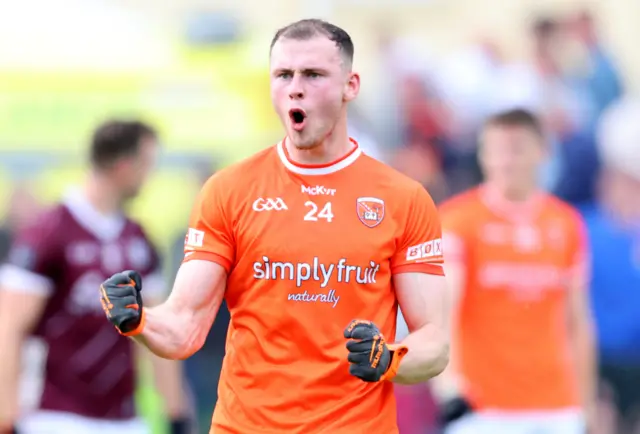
197 69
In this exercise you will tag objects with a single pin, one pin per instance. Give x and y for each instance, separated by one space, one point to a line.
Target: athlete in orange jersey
516 257
314 245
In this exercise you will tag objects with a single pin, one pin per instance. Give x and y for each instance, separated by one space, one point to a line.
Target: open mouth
298 118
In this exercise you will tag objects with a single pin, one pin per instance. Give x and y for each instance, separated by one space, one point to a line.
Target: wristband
138 328
397 353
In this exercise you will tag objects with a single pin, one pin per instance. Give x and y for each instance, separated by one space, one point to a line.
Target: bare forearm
427 357
9 375
170 334
586 366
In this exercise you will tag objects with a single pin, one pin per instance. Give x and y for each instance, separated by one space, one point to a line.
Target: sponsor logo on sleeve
194 238
425 251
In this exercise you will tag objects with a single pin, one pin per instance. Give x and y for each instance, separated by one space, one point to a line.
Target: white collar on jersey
324 169
106 228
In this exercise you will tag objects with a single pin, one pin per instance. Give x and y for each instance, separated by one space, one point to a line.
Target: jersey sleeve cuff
435 269
209 256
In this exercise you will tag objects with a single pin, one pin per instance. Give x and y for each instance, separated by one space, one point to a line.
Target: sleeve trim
434 269
208 256
17 279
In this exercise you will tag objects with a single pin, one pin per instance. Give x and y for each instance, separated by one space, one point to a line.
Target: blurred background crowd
432 71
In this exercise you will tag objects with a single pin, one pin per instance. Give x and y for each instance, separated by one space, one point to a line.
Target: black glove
180 426
453 409
371 358
122 302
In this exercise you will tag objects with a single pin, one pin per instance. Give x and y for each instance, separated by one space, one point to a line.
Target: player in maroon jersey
47 290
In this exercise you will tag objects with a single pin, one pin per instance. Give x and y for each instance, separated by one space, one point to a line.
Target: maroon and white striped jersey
66 255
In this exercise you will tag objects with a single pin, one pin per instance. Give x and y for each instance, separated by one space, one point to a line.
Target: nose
296 90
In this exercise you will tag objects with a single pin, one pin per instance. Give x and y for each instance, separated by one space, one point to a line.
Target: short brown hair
516 118
309 28
116 139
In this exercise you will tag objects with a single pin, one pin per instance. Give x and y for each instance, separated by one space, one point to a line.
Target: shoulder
382 171
561 209
396 183
41 241
48 223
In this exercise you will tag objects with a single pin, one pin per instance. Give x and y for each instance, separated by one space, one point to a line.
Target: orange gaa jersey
512 338
308 249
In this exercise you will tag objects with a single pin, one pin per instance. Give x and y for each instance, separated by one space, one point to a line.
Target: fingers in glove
360 329
116 305
135 277
114 292
119 279
362 346
359 358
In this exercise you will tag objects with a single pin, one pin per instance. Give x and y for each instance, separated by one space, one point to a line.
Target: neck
332 147
101 194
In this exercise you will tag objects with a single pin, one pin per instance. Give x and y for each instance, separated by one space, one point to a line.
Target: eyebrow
304 71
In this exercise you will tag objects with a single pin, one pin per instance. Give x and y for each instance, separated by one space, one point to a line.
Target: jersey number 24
313 215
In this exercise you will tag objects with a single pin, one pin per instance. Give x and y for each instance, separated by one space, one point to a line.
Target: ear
352 87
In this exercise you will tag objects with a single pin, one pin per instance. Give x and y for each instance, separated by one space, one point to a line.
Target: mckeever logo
318 190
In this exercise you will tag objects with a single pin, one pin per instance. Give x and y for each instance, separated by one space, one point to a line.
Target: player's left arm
421 290
422 299
580 317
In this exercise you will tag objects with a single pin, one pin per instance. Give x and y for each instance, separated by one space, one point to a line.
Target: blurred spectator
423 165
565 105
589 71
577 179
469 83
22 208
598 73
614 230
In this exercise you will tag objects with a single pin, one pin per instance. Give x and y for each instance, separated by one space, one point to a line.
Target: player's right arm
25 287
178 328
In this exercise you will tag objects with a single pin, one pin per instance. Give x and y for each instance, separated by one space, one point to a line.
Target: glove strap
397 351
138 329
